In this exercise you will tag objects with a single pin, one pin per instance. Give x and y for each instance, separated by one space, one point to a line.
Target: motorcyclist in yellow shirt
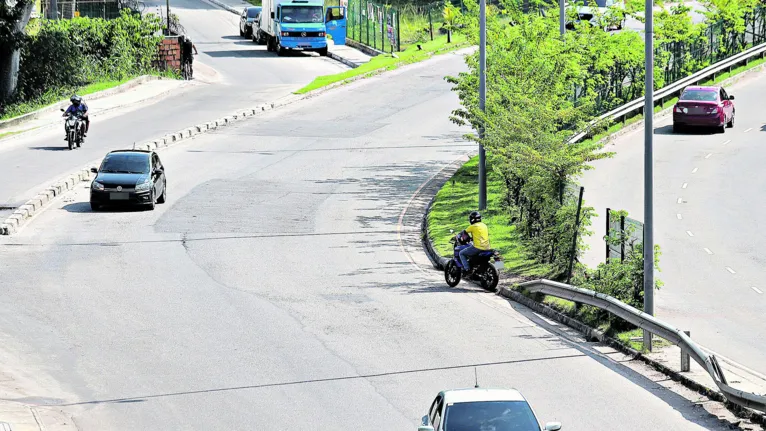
480 235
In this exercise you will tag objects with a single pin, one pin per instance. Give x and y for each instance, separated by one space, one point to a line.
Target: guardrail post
685 360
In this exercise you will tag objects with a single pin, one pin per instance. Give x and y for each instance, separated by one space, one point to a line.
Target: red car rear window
701 95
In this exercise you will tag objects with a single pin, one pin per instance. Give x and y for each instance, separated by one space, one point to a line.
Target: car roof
481 394
703 88
147 152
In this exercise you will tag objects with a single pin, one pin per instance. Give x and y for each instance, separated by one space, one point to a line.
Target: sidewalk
347 55
148 91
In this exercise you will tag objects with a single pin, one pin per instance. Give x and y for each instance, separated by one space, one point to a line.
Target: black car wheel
730 124
164 196
152 202
94 206
241 33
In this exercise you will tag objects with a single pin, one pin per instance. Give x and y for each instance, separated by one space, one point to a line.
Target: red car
704 107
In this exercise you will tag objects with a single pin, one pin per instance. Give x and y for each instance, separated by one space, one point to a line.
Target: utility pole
53 10
483 101
562 17
167 5
649 169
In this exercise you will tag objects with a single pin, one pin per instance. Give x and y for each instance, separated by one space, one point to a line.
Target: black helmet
475 217
76 100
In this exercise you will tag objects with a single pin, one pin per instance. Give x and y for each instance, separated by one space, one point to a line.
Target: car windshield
701 95
302 14
490 416
126 164
253 12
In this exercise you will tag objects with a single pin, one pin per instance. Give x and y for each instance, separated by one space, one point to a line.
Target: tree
14 17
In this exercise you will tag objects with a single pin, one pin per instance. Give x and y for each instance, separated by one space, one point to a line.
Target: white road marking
688 232
748 130
694 171
727 142
679 216
680 200
708 155
757 290
730 270
707 250
684 186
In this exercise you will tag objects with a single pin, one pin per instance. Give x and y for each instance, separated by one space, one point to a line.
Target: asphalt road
271 291
248 76
707 222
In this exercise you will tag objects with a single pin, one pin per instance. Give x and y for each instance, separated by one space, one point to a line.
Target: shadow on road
255 53
668 130
62 148
84 207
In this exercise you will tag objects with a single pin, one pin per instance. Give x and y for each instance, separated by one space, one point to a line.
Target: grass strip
458 198
384 62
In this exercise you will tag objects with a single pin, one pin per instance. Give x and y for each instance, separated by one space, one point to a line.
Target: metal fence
106 9
625 82
621 232
374 25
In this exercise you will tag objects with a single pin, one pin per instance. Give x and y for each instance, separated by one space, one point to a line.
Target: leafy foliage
11 26
67 54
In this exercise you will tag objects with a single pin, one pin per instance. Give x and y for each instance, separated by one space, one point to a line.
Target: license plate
118 196
499 264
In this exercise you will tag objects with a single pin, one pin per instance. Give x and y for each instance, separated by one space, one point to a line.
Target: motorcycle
485 264
74 129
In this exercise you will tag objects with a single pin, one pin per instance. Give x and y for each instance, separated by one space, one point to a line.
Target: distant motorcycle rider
79 106
480 235
187 47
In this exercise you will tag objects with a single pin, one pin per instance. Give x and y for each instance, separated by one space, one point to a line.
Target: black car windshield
253 12
126 163
490 416
302 14
701 95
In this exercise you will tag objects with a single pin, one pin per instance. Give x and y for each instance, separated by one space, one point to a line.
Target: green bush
64 55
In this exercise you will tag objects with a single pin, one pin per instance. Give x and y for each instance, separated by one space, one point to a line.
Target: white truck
292 25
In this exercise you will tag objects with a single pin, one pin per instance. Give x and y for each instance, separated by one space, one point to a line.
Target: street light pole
482 101
562 17
649 170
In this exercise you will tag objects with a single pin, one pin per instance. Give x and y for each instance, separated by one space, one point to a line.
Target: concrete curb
364 48
225 6
63 104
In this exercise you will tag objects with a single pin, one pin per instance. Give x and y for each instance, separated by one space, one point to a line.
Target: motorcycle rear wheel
452 274
490 277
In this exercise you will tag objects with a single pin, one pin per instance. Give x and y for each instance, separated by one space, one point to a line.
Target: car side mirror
62 110
157 171
272 15
94 170
553 426
731 97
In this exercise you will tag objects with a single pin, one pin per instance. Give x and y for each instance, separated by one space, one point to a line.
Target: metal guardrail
655 326
665 92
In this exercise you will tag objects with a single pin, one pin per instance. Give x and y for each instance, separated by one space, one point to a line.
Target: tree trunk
10 57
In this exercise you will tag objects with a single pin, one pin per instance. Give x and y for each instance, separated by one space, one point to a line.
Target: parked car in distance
704 107
257 35
479 408
246 19
129 177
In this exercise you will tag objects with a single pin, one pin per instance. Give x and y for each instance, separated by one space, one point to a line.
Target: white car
482 409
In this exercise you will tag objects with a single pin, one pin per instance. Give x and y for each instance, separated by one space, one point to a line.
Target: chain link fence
106 9
374 25
625 82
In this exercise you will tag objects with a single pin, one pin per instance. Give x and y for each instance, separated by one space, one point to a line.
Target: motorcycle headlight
144 186
97 186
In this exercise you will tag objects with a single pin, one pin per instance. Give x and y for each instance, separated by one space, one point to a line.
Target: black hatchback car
246 19
129 177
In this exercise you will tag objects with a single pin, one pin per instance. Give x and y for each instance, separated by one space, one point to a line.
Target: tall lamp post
482 101
562 17
649 169
167 5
